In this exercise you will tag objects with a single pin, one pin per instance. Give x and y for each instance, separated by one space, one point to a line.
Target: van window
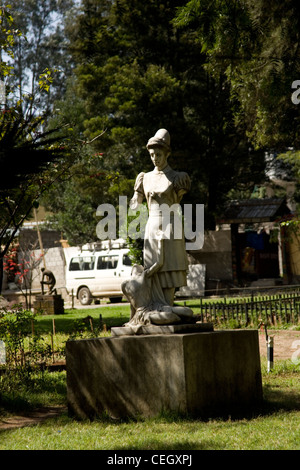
82 263
126 260
107 262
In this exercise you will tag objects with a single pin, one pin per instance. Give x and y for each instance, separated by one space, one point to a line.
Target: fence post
214 311
247 312
201 314
270 348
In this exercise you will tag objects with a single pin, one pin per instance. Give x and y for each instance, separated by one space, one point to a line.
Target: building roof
254 210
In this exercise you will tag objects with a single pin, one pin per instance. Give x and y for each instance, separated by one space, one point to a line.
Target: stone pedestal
48 304
204 374
161 329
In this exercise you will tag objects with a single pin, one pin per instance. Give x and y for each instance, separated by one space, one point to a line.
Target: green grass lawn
275 426
112 315
67 322
280 431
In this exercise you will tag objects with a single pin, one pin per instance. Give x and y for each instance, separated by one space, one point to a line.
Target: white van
98 274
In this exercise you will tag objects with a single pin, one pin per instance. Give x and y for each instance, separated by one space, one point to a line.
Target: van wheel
115 300
84 296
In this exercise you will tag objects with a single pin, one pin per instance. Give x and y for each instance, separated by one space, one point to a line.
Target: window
126 260
107 262
74 264
82 263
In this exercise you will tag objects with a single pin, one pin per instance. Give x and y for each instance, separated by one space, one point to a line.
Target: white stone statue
151 288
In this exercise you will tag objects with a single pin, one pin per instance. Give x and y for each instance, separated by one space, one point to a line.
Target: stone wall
54 255
216 254
294 256
55 261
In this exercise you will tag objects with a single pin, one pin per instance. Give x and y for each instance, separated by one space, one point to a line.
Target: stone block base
205 374
162 329
48 304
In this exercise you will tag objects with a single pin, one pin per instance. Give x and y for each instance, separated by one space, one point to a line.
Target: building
259 250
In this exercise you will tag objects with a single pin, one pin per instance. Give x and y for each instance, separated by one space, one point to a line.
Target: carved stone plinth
48 304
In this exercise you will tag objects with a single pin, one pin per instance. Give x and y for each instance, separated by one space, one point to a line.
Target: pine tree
136 71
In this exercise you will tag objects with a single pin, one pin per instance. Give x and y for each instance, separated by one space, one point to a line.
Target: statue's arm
138 195
182 184
136 200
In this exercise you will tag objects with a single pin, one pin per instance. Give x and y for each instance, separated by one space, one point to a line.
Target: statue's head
159 148
160 139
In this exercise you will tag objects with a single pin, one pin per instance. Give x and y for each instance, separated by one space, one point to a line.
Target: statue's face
159 157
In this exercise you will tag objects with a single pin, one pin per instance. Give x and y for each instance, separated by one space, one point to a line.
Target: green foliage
137 71
33 156
38 389
136 250
255 43
41 50
24 350
8 35
26 149
74 201
29 350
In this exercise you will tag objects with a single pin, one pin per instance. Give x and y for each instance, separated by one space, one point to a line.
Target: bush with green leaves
24 349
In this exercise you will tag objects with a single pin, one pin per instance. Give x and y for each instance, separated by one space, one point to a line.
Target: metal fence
272 308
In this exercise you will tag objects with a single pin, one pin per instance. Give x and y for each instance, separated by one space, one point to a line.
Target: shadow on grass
274 401
40 389
54 385
280 400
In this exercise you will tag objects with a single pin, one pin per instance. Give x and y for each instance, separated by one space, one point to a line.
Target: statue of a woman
163 188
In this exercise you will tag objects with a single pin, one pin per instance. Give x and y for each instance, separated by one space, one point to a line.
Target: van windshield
82 263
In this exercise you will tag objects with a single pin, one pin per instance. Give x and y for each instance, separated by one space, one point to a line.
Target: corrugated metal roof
255 210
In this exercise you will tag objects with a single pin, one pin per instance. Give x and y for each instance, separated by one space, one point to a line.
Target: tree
256 45
19 265
28 157
41 47
74 201
31 157
137 71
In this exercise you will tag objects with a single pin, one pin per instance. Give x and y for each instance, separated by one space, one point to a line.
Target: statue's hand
152 270
148 272
133 204
136 200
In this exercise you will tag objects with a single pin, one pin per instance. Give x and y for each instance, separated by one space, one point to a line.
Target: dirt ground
31 417
286 346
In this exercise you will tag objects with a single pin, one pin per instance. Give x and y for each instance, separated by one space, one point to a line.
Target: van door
106 273
124 266
81 271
